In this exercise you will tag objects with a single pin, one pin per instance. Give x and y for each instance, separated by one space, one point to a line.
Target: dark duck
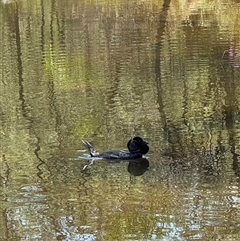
137 147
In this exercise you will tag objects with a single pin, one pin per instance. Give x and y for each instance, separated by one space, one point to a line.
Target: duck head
137 144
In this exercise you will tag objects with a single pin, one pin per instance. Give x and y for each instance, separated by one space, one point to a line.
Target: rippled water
104 71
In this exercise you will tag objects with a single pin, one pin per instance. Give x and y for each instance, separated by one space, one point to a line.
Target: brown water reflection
103 71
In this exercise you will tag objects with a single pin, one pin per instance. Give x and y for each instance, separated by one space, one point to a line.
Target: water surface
105 71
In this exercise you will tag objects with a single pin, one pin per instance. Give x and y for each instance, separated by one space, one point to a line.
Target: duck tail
89 147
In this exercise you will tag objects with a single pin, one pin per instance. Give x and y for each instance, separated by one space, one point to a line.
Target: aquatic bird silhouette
137 147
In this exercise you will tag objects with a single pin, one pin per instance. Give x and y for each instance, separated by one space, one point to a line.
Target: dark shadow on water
158 49
138 167
135 167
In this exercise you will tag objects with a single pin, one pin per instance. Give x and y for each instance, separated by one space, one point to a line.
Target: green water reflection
104 71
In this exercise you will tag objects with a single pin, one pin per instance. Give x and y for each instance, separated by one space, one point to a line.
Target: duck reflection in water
137 147
138 167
